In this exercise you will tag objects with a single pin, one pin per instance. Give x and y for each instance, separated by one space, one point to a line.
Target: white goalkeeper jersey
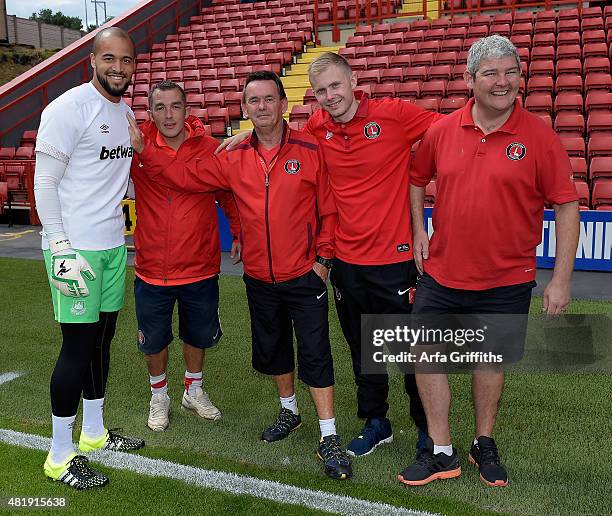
90 134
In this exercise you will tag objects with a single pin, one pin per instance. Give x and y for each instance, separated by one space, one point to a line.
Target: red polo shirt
490 195
367 161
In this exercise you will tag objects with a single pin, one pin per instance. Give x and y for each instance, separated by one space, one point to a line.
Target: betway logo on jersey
120 152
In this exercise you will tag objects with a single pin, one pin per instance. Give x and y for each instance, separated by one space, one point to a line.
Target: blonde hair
327 59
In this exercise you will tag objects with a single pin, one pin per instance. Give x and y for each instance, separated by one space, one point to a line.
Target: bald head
108 34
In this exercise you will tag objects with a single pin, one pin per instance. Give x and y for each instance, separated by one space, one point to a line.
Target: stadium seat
569 25
442 72
569 83
600 146
600 167
382 90
407 49
569 66
358 64
456 33
599 123
366 51
503 29
574 146
540 84
570 124
28 139
579 168
24 153
541 68
200 113
429 104
415 73
568 51
582 189
597 81
602 193
597 64
190 87
195 100
422 59
392 75
568 38
386 50
461 21
595 50
378 63
568 102
502 18
598 101
593 36
218 118
408 90
539 103
458 71
414 36
232 101
448 105
433 89
521 41
457 89
226 72
368 76
543 53
300 113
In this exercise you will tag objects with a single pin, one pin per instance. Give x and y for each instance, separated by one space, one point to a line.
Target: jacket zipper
267 184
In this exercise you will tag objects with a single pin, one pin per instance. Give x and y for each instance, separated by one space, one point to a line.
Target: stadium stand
210 50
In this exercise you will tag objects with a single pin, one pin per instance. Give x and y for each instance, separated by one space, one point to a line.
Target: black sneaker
428 467
285 423
336 461
485 457
75 472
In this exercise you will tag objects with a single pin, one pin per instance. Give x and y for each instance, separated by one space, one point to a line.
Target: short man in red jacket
177 257
288 216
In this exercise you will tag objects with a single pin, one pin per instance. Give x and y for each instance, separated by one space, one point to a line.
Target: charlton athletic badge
372 130
292 166
515 151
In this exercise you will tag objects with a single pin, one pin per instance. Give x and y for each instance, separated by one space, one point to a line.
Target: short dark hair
166 86
264 75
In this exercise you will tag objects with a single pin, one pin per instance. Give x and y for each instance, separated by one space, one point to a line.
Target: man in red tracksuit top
177 257
288 217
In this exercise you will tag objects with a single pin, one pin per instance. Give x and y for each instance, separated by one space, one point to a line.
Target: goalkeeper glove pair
69 269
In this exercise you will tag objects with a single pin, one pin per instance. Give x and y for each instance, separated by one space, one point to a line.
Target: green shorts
106 292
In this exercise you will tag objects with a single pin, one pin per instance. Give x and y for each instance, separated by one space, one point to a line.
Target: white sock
192 382
327 426
159 384
93 421
446 450
475 440
290 403
61 443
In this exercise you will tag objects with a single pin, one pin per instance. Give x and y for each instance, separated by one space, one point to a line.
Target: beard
112 90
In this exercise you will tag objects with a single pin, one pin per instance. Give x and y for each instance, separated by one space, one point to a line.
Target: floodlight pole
86 22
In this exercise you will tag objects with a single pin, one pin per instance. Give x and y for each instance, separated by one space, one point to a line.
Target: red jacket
286 210
176 236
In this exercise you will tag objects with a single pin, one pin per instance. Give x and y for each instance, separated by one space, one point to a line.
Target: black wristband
326 262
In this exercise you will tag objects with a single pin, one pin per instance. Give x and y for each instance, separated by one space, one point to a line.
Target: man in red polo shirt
177 258
367 147
279 180
496 165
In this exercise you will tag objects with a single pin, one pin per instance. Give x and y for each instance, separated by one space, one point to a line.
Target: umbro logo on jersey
372 130
120 152
292 166
329 135
104 129
515 151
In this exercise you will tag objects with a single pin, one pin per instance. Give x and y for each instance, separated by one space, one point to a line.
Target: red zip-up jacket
176 236
286 209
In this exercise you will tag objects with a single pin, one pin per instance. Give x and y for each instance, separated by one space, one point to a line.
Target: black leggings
82 365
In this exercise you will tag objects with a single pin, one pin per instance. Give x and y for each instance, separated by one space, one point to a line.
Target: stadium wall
39 35
23 99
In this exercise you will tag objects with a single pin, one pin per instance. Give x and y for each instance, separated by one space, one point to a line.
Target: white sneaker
159 412
200 403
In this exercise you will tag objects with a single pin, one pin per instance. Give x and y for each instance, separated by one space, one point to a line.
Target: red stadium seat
218 119
378 63
366 51
458 71
569 83
433 89
407 49
579 168
597 64
422 59
503 29
392 75
28 139
569 66
522 29
539 103
598 82
457 89
195 100
568 102
415 73
368 76
598 101
232 101
452 45
602 193
386 50
300 113
568 38
568 52
582 189
570 124
442 72
600 167
200 113
541 68
408 90
448 105
426 47
574 146
540 84
599 123
543 53
600 146
428 104
24 153
445 58
382 90
593 36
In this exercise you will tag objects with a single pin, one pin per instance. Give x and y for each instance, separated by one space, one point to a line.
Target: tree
58 18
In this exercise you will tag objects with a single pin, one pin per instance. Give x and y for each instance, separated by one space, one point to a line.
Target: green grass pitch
553 430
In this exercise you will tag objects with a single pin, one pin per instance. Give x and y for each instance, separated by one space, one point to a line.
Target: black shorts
431 298
274 308
198 309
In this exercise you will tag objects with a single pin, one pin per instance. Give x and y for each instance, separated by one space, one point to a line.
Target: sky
24 8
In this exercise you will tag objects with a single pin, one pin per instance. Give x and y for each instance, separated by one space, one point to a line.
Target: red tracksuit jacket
176 236
287 212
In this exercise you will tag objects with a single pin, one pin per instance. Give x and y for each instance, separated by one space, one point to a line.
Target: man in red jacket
288 218
177 257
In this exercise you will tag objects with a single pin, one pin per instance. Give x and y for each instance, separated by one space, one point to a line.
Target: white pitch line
227 482
8 377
